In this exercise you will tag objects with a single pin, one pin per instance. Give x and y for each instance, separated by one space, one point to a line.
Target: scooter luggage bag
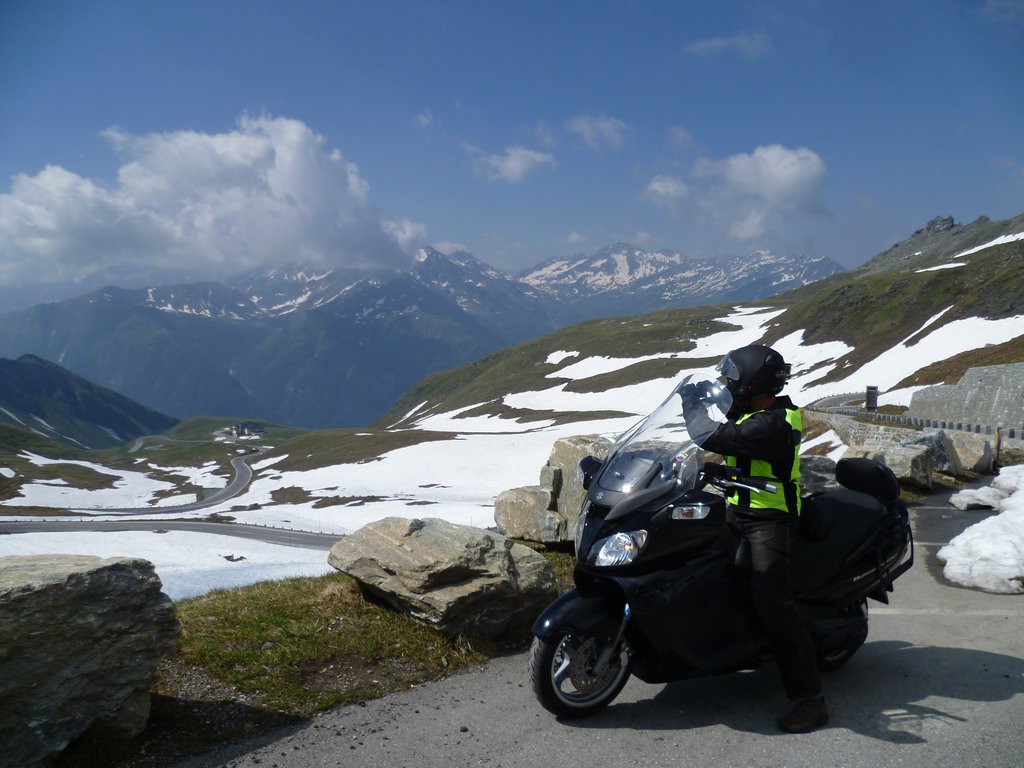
822 571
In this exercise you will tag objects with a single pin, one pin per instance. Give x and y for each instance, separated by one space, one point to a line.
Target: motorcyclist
762 438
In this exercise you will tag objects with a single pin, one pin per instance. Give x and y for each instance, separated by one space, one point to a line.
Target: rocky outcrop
80 640
914 453
941 450
912 464
458 578
817 474
548 512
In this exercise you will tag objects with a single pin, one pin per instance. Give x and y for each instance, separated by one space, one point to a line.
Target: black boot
807 715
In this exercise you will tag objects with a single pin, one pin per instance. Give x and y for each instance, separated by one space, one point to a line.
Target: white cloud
747 196
267 192
782 178
666 190
448 248
1004 12
599 132
576 237
513 166
408 234
751 46
542 132
681 137
423 119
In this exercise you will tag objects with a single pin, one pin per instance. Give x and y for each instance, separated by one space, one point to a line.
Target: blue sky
197 139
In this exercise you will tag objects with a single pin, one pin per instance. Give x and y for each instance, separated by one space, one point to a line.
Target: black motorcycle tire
553 664
829 660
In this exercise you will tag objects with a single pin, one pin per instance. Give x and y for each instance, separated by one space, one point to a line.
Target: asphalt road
304 539
939 683
241 478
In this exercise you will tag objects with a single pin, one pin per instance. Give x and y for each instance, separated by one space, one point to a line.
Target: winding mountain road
242 477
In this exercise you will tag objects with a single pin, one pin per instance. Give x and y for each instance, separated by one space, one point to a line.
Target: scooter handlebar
754 484
722 476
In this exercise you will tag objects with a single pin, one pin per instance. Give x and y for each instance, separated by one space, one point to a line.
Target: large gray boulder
975 451
817 474
945 457
529 513
548 512
865 452
458 578
912 464
80 640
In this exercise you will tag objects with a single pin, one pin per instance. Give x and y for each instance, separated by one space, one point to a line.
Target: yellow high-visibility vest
787 497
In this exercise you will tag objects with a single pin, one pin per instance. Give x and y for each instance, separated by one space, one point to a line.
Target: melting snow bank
990 554
188 564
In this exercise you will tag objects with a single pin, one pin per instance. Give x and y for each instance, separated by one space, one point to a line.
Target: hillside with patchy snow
473 432
462 451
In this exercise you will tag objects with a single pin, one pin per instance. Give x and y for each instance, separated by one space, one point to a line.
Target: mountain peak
624 279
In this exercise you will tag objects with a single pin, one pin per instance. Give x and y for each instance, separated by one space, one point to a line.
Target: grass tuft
300 646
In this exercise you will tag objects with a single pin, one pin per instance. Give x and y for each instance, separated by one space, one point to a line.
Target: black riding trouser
772 536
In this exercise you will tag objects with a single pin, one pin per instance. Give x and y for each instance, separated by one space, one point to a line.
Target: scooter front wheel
575 676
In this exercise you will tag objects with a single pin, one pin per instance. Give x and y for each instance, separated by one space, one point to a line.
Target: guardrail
1000 436
1011 433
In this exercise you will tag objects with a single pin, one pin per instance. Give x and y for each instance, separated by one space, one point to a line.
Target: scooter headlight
620 549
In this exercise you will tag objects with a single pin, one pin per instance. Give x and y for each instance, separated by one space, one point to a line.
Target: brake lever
769 487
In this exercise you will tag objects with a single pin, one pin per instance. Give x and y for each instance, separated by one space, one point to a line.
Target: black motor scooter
662 585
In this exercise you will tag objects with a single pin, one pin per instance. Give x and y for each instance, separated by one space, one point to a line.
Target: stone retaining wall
993 395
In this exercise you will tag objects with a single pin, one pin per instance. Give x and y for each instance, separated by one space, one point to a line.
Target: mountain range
328 348
960 287
625 280
45 399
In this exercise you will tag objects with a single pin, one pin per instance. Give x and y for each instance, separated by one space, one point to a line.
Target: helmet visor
728 369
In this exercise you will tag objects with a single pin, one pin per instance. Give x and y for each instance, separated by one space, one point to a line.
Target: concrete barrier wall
1010 436
990 396
987 401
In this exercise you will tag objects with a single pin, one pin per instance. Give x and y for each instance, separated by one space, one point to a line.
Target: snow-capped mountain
628 280
295 345
364 294
318 347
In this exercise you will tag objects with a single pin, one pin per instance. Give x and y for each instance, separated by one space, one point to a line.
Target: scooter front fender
579 615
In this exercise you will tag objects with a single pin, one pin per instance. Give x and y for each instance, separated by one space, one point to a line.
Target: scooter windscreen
661 446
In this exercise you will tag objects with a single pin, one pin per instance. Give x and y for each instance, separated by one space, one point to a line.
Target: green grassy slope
868 311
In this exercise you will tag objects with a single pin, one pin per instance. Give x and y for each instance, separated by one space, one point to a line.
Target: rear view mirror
588 469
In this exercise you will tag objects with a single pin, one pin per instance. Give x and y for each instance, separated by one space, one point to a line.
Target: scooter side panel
695 618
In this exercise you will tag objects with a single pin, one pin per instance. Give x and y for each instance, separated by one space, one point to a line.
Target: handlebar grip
722 475
761 484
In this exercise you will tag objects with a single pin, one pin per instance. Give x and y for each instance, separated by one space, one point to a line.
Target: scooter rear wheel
566 677
834 658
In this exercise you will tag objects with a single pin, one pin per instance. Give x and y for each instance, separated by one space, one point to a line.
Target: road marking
942 612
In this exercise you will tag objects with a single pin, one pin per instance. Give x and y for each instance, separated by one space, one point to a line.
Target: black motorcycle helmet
753 370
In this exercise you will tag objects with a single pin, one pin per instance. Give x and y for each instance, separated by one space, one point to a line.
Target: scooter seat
869 477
